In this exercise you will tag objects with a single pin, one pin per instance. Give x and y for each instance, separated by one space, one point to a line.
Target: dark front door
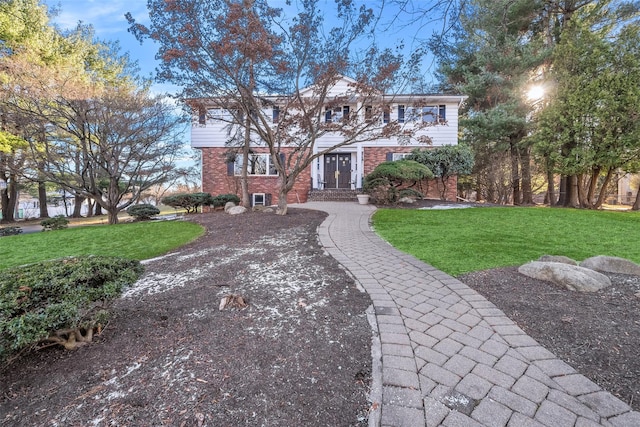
337 170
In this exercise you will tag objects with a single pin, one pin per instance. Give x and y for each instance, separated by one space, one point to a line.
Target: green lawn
139 240
462 240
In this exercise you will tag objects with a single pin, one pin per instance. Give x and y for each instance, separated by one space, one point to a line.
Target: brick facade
216 179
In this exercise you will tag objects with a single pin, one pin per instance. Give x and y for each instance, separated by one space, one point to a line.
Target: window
368 113
429 114
386 114
258 199
400 113
275 115
399 156
336 114
259 164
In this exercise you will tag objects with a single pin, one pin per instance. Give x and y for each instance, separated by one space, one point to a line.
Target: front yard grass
458 241
139 240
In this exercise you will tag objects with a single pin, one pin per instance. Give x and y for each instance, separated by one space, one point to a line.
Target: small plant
10 231
142 212
57 222
61 301
223 199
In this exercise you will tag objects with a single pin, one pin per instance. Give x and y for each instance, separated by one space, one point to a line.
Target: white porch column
360 165
315 169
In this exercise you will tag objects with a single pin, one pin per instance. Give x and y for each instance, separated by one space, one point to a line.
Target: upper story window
427 114
275 114
336 114
368 113
259 164
386 114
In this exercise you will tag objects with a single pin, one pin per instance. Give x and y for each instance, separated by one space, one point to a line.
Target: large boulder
236 210
228 206
558 258
611 264
572 277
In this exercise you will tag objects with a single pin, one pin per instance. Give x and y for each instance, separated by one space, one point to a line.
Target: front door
337 170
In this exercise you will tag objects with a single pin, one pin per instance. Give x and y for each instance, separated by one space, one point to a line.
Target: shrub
389 178
142 212
57 222
410 192
223 199
10 231
60 301
188 201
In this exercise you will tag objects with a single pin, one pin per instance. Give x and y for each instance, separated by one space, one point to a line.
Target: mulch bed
298 354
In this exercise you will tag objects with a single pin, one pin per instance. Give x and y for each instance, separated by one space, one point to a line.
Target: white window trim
269 169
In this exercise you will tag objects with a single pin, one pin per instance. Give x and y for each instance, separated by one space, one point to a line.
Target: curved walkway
444 355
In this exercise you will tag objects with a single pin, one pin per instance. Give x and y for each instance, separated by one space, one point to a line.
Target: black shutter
267 199
389 157
230 168
442 113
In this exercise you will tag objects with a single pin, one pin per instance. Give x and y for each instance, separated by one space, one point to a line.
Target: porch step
333 195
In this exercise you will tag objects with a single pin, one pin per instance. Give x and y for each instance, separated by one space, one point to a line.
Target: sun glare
535 93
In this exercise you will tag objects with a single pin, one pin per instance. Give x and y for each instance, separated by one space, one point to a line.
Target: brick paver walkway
444 355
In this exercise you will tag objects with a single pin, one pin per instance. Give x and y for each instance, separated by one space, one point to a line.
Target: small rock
236 210
611 264
572 277
228 206
407 200
558 258
263 209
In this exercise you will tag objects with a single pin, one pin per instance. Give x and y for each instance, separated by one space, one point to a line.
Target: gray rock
263 209
611 264
572 277
558 258
236 210
228 206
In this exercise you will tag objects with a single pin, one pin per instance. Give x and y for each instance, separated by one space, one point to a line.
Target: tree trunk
42 199
515 173
9 198
98 209
591 191
527 192
244 179
572 192
77 208
636 204
550 187
603 190
562 196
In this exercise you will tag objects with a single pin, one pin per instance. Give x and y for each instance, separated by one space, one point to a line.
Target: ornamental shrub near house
188 201
143 211
391 180
61 301
223 199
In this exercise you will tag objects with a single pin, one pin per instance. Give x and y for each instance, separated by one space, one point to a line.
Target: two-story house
416 118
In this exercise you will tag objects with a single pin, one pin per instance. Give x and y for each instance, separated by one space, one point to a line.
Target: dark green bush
59 301
223 199
410 192
389 178
188 201
10 231
143 211
57 222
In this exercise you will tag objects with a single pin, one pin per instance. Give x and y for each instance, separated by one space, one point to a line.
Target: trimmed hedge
223 199
59 301
58 222
188 201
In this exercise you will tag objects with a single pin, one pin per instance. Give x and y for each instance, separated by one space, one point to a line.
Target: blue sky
107 18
